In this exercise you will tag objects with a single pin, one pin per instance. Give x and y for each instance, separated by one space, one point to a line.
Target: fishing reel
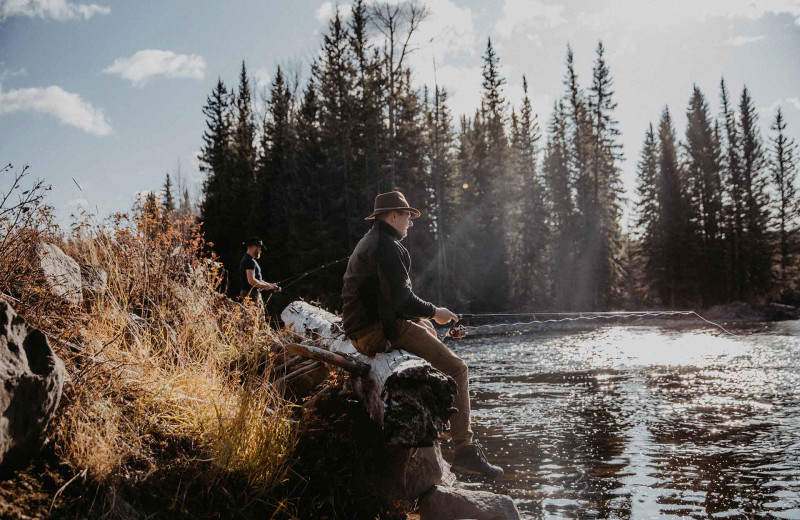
457 331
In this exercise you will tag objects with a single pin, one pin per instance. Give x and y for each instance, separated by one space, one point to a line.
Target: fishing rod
297 277
460 331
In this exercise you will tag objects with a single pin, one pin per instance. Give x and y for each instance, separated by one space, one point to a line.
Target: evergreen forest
518 214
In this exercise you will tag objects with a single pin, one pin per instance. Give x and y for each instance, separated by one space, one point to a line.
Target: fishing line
577 316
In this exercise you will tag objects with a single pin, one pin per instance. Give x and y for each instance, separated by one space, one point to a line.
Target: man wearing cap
381 312
250 272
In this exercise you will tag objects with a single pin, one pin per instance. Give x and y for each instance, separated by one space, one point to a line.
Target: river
641 422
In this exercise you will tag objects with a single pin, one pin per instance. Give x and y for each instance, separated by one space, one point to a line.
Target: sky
102 99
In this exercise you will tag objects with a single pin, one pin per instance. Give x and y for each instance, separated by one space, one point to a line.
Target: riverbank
167 408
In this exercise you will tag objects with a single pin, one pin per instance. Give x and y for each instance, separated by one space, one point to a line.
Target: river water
641 422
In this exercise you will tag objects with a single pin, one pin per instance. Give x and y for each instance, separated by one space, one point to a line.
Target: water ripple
642 422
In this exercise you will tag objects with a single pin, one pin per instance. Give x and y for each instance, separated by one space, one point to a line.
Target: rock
780 312
734 311
413 472
31 379
62 273
741 311
93 280
447 503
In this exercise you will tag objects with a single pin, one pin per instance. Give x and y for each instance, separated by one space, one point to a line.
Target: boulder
93 280
448 503
61 272
31 380
413 472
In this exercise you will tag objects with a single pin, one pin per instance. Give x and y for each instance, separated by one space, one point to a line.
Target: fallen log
403 394
353 366
411 402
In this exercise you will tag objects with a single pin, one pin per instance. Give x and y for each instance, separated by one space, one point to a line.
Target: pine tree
368 125
151 213
527 207
786 208
649 210
336 78
578 133
413 177
276 179
490 181
168 202
312 234
675 249
605 195
561 208
216 161
472 165
447 188
734 198
757 249
702 164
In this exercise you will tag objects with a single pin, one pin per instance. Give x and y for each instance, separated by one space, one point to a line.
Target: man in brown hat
381 312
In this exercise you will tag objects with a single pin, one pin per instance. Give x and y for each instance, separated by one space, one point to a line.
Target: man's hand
269 286
443 316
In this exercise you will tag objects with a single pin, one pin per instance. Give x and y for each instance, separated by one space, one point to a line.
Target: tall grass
163 369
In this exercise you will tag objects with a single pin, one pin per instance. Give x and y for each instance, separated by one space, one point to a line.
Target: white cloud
448 29
54 9
769 110
738 41
69 108
8 73
447 34
463 85
605 15
520 15
766 111
148 63
324 13
262 79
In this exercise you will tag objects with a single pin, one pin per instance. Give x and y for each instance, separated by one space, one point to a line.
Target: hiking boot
470 460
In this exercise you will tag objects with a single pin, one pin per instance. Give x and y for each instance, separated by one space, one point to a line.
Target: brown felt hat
392 201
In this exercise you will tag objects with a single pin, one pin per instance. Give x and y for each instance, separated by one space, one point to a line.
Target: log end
419 403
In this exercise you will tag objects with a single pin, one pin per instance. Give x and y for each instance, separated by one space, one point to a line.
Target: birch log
408 398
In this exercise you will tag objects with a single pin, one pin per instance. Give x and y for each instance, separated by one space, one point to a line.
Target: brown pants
420 339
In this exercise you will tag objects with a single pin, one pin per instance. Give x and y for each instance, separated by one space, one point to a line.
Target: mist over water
641 422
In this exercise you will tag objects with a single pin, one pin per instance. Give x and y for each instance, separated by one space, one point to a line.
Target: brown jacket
377 286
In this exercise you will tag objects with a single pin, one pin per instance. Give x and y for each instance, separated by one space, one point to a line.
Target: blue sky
110 94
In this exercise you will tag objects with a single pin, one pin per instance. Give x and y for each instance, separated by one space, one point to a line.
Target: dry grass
163 370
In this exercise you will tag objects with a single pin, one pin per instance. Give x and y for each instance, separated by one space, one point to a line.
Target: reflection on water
641 422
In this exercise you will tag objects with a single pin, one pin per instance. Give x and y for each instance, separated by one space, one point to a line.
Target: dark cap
392 201
253 241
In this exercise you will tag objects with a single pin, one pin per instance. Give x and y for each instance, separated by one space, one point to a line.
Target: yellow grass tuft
163 369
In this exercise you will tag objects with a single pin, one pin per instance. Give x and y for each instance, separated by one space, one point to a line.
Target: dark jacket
377 286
